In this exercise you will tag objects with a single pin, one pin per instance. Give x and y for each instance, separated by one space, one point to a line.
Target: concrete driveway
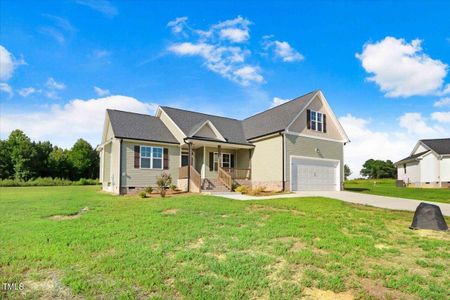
352 197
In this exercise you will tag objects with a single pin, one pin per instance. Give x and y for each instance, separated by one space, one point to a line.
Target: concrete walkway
352 197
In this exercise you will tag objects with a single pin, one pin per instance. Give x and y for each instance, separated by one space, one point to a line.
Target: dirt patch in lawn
375 289
441 235
172 211
69 216
313 293
264 208
197 244
49 287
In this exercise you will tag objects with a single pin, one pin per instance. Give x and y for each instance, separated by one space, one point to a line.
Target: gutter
283 160
120 167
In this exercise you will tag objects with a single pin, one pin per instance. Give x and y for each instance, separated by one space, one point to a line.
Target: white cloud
54 33
6 88
234 34
415 124
178 24
24 92
54 85
218 50
8 63
282 49
63 125
402 69
102 6
277 101
101 92
442 102
367 142
443 117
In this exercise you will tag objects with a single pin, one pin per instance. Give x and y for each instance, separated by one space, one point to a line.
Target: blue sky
383 66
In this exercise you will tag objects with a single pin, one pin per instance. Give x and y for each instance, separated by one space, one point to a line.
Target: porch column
219 158
204 163
189 167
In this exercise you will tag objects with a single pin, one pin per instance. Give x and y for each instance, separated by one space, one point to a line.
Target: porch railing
225 178
238 173
195 180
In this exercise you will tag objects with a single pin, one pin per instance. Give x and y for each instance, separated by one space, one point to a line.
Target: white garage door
314 174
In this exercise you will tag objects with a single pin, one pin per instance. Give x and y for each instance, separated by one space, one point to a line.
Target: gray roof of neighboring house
275 119
440 146
231 129
411 157
139 126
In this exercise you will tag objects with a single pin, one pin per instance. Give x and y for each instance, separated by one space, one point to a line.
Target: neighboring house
298 145
428 164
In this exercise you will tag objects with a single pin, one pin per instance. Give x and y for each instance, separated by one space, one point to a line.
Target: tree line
23 159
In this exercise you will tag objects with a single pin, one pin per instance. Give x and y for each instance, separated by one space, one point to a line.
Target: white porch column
203 173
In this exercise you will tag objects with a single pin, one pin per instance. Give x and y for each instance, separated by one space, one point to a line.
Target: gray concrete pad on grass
351 197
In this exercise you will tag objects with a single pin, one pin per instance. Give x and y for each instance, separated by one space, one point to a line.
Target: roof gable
139 126
206 129
439 146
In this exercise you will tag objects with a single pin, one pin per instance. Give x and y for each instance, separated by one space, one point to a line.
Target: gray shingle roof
138 126
231 129
411 157
440 146
275 119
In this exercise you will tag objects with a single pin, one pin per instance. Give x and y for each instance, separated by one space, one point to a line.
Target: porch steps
213 185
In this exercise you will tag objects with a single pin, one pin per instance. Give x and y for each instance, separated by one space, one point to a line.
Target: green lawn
386 187
212 248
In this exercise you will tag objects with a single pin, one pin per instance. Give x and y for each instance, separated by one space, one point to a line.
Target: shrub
148 190
234 185
257 191
163 182
46 181
173 187
142 194
243 189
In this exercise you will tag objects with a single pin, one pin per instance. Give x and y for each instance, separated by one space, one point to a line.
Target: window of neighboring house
151 157
404 168
316 121
226 160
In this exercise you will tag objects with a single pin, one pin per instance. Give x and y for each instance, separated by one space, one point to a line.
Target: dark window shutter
308 118
231 160
211 161
137 156
324 123
166 159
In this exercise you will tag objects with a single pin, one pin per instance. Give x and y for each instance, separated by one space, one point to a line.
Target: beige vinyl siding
207 132
299 125
106 176
109 132
177 133
267 160
305 146
198 159
242 159
134 177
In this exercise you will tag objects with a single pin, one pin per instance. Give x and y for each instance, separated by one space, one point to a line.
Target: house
428 165
298 145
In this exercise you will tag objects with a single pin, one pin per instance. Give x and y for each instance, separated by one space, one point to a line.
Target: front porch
214 166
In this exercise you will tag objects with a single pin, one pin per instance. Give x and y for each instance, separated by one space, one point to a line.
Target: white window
226 160
316 121
151 157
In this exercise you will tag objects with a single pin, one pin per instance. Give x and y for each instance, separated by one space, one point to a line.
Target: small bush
142 194
243 189
46 181
257 191
163 181
148 190
173 187
234 185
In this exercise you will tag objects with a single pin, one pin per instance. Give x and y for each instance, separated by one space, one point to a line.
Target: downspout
283 160
189 168
120 166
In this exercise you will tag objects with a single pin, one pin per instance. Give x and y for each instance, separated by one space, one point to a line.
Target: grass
205 247
386 187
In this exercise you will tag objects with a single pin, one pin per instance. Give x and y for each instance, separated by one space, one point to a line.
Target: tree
6 165
375 169
22 154
84 160
59 164
347 171
40 161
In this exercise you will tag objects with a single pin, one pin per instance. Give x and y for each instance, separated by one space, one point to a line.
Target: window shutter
231 160
308 118
211 161
324 123
137 156
166 159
